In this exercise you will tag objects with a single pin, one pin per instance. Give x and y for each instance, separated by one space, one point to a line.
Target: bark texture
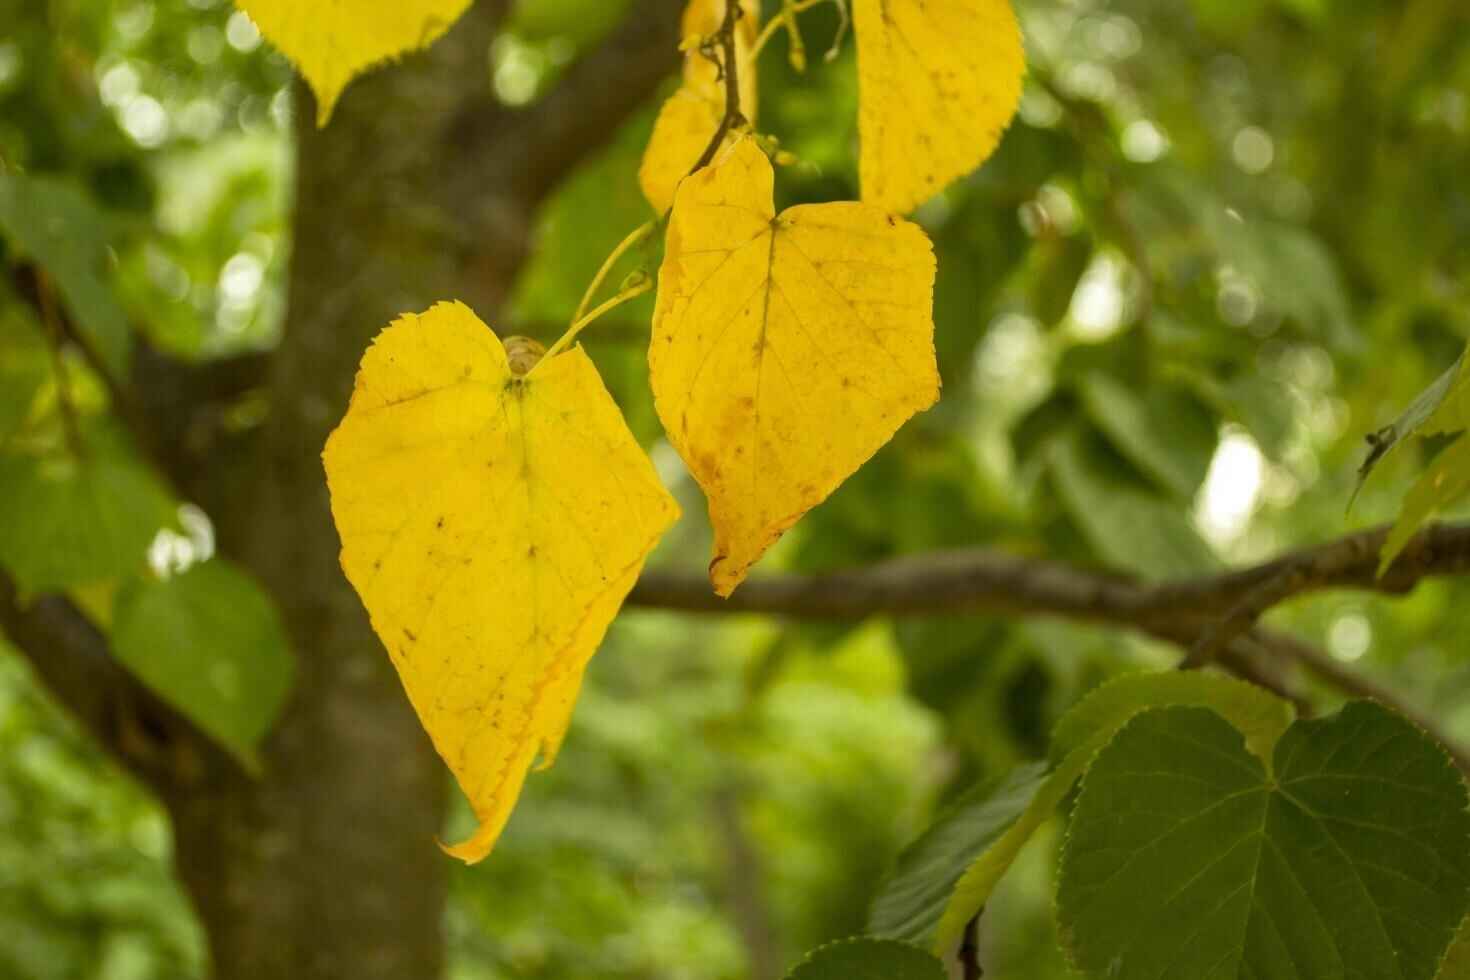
422 189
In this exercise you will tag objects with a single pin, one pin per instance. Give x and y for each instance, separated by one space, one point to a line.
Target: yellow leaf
938 82
492 523
333 42
690 117
786 350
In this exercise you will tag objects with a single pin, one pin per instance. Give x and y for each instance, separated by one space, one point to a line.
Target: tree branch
981 580
542 143
70 656
1187 612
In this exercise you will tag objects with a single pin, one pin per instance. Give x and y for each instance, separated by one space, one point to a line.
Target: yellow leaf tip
723 578
475 849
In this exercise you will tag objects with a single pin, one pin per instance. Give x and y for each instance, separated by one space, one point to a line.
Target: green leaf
59 227
1445 481
1259 403
1164 433
78 521
1062 260
868 959
24 369
1259 715
915 897
210 642
928 901
1456 965
1188 856
1442 407
1127 526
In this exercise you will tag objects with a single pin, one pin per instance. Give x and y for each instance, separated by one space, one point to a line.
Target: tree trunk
421 189
326 867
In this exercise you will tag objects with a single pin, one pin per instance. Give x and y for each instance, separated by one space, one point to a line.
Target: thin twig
969 954
1243 616
730 71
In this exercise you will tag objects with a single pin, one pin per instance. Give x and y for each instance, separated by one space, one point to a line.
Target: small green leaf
58 226
1442 407
1164 433
78 521
915 897
1189 856
210 642
868 959
1259 403
1445 481
1129 527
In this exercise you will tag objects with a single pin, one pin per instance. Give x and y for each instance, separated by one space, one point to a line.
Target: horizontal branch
986 581
979 581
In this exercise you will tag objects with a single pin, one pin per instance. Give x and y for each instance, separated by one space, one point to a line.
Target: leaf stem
623 295
969 954
730 69
623 247
787 19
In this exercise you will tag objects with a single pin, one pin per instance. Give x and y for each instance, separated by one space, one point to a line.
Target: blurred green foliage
1223 242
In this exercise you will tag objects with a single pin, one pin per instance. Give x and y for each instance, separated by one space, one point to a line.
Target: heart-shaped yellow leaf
689 118
786 350
492 520
938 82
331 42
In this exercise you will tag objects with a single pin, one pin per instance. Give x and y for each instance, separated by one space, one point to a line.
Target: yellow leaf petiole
623 247
636 286
640 285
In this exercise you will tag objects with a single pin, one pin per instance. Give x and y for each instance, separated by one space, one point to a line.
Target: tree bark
422 189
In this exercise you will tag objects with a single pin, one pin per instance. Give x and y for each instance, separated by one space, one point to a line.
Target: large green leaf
74 521
59 227
1259 715
945 877
211 643
1188 856
868 959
